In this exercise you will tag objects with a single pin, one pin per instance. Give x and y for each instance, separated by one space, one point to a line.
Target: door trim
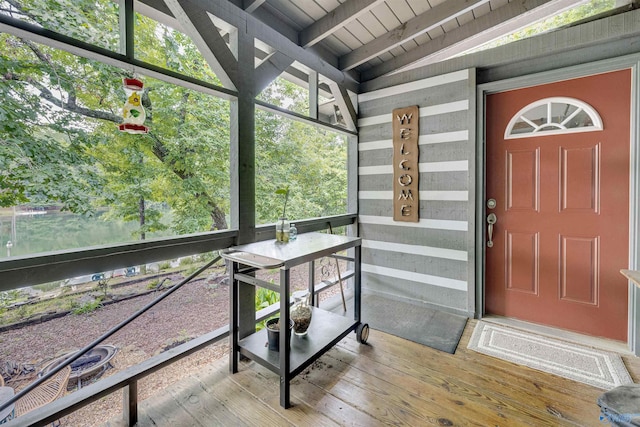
627 62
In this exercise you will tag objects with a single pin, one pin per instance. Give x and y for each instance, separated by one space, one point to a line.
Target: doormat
433 328
587 365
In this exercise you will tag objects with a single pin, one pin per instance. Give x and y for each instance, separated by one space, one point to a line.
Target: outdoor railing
128 378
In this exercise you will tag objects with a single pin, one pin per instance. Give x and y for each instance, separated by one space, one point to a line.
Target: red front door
562 209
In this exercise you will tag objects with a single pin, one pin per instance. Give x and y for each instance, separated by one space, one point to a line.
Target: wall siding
426 262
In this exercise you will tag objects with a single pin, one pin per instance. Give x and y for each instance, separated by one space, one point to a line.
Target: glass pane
310 160
69 178
285 94
580 120
581 12
166 47
560 112
537 115
91 21
521 127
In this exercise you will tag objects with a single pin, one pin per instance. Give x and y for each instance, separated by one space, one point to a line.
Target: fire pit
91 364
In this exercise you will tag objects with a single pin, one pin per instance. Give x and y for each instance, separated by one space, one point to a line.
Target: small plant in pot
282 225
273 333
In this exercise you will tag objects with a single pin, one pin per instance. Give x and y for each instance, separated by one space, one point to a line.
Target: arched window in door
553 116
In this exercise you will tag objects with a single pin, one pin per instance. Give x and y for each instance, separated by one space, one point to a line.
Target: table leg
285 339
233 319
357 285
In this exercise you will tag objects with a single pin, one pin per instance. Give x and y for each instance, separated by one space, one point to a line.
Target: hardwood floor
389 381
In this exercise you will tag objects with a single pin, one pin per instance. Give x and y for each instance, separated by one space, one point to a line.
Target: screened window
552 116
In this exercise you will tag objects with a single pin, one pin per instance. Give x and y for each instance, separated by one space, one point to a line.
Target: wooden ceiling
367 39
377 37
346 42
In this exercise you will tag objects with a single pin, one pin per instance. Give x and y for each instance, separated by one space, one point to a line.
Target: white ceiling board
359 31
293 13
482 10
328 5
436 32
411 44
401 9
386 16
422 38
381 58
282 16
397 51
372 24
434 3
309 8
335 45
450 25
465 17
497 3
348 39
419 6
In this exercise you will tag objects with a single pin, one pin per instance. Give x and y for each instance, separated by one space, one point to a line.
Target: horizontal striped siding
459 165
441 224
458 76
425 261
426 251
396 274
437 138
424 195
434 110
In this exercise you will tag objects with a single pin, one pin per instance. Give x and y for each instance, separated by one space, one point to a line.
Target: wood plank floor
388 381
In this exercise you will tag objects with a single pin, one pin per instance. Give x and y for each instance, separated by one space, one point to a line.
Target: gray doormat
433 328
588 365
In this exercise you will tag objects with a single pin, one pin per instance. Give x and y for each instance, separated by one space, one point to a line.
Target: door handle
491 219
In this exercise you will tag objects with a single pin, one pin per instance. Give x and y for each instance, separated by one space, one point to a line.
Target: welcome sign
406 201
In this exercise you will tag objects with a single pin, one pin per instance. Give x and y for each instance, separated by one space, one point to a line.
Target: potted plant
282 225
273 333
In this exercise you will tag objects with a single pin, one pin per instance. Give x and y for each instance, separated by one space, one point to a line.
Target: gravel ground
197 308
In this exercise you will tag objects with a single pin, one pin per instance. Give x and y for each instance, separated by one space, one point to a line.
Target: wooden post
130 403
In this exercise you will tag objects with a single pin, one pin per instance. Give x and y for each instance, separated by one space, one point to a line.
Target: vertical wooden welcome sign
406 200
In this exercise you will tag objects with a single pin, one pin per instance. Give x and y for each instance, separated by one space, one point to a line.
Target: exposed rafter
250 5
240 19
343 101
196 23
337 18
421 24
500 22
269 69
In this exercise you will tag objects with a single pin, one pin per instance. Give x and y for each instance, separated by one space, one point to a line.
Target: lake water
56 230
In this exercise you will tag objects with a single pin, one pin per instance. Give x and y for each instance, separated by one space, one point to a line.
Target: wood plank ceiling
377 37
351 41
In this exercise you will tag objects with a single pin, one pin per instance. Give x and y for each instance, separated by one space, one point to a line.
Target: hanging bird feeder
133 113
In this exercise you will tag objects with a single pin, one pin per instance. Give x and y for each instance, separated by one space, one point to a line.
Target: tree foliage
59 142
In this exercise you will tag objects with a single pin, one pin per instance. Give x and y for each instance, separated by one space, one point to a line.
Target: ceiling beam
495 24
432 18
343 101
157 10
197 24
337 18
244 21
250 5
269 69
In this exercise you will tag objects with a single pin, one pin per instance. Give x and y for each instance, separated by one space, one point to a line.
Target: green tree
59 141
59 117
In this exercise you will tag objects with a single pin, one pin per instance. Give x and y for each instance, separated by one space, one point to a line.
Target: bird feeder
133 113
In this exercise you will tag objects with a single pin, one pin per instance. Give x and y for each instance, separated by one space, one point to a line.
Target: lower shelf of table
326 330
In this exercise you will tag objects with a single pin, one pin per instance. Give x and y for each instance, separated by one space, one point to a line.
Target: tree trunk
141 213
218 218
